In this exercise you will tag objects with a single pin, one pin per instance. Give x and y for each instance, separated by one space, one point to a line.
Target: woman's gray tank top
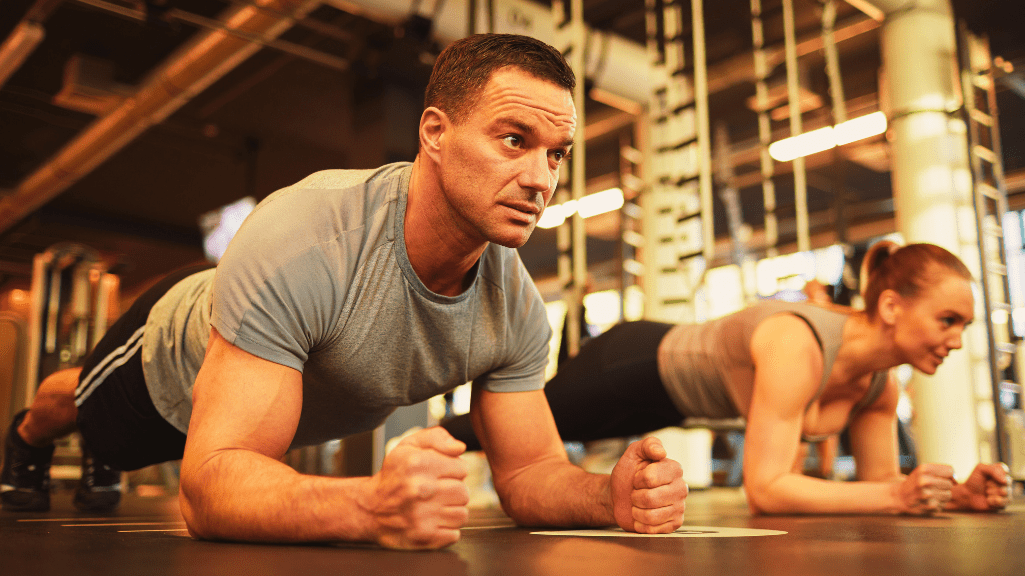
695 361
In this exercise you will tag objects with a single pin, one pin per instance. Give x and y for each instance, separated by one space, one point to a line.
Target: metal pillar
794 97
631 182
761 67
678 219
571 35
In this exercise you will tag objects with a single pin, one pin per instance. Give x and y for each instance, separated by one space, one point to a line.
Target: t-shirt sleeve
273 296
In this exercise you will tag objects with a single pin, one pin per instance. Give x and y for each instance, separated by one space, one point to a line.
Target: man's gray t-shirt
318 279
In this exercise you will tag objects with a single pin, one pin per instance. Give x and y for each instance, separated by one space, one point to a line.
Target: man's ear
890 306
433 125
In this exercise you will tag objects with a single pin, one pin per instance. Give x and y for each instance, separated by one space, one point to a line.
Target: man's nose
535 174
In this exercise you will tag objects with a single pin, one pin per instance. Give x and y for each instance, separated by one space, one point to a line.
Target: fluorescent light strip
825 138
590 205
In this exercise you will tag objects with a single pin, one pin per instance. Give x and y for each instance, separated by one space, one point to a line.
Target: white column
932 192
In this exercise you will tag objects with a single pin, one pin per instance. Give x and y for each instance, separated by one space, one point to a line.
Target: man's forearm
557 494
241 495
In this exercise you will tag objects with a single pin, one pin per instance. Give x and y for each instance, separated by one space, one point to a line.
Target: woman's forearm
799 494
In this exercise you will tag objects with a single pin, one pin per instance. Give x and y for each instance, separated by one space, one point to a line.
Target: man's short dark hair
465 66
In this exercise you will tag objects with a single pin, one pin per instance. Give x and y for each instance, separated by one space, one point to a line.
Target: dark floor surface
146 536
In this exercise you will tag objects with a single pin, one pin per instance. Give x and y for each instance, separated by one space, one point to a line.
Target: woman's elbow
759 501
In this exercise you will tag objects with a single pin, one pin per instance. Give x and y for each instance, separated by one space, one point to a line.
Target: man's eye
559 156
513 141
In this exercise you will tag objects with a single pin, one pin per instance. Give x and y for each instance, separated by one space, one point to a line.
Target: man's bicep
241 401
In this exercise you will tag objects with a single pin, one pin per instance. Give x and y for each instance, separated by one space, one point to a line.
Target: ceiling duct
614 64
89 86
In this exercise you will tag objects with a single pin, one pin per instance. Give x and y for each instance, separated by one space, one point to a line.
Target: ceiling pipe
190 70
932 192
25 37
22 42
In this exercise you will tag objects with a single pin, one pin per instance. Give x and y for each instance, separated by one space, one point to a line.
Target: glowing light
1000 316
18 297
219 226
803 145
600 202
554 215
859 128
825 138
590 205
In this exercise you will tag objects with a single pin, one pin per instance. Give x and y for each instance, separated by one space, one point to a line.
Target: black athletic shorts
116 417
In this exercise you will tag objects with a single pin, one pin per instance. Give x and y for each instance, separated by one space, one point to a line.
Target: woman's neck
866 347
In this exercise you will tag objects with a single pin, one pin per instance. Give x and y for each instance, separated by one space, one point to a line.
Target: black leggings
116 417
611 389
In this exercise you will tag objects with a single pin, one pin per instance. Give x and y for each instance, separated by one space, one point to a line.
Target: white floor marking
100 519
683 532
158 530
121 524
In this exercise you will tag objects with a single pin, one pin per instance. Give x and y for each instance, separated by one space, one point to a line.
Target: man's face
500 163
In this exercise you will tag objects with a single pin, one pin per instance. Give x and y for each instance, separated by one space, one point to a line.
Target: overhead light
859 128
825 138
803 145
590 205
555 214
600 202
22 41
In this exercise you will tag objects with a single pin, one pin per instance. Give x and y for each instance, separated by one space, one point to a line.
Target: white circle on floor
683 532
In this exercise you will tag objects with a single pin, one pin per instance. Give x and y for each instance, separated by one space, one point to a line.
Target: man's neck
440 253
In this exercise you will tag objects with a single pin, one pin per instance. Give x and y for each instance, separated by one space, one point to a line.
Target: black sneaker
25 479
99 490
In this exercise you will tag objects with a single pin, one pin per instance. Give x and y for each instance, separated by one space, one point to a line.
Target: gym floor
147 536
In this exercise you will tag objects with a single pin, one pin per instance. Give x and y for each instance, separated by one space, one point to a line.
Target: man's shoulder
341 179
331 199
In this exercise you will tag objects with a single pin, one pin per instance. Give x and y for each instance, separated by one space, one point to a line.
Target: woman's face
928 327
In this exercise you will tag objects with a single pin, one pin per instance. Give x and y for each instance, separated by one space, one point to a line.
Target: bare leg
53 411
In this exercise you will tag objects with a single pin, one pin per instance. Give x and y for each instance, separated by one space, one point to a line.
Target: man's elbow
189 498
517 506
194 499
